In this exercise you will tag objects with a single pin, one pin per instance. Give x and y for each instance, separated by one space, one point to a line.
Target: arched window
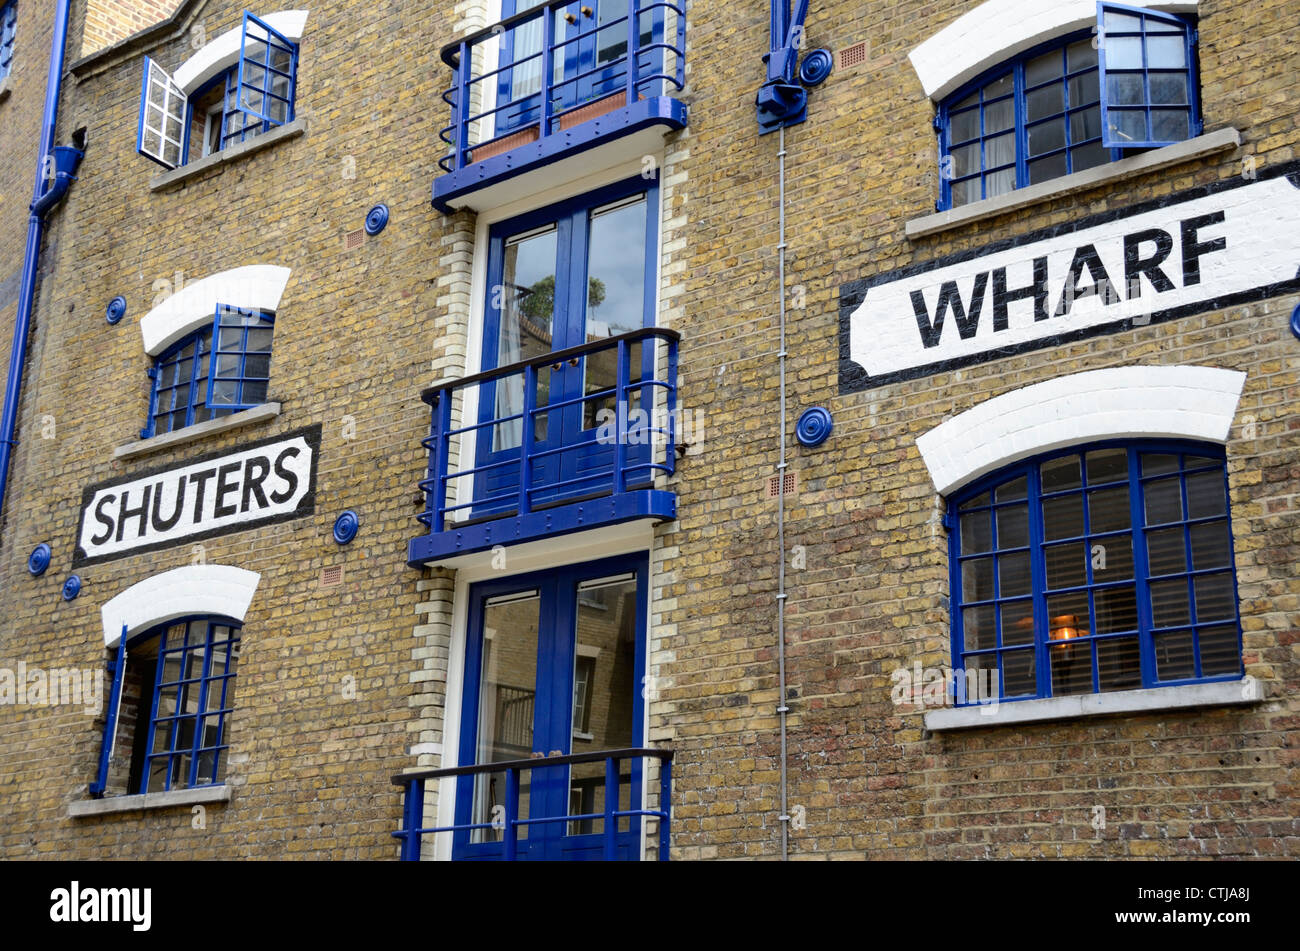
1080 101
216 371
8 26
1094 569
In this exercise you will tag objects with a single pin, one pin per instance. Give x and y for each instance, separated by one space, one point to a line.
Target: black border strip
854 378
306 505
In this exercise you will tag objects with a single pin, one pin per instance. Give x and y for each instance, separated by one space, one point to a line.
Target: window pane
965 160
257 366
1047 137
1108 510
1123 52
1085 89
976 533
1169 602
1081 55
1014 490
1205 495
1169 125
1112 558
1214 598
1088 156
1066 565
1158 464
254 392
999 183
1013 526
1220 652
1116 610
1116 22
1000 151
1044 102
1042 68
1174 660
1071 668
1107 465
978 628
1166 52
1002 86
259 339
963 193
1128 126
1013 575
1166 551
1062 473
1063 517
964 126
977 580
1017 623
1068 616
1041 170
1168 89
1163 501
999 116
1118 664
1019 676
1210 545
1086 125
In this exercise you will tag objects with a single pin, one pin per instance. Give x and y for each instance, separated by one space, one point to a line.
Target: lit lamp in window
1064 630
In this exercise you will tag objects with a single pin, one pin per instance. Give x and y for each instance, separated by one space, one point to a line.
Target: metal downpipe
782 708
43 199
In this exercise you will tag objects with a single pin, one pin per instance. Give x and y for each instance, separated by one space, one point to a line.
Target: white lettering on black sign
1212 247
267 481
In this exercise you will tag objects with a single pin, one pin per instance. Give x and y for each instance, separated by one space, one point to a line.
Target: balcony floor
622 135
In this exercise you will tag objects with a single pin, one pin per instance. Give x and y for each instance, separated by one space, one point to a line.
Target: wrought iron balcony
554 81
548 837
567 441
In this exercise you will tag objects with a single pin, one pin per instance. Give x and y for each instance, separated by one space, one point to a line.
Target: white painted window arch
253 287
1141 402
997 30
220 590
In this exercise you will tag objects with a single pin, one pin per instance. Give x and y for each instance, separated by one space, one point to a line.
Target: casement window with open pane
218 370
1097 569
1077 102
172 693
253 96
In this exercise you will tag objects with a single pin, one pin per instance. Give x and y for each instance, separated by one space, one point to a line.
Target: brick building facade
1035 271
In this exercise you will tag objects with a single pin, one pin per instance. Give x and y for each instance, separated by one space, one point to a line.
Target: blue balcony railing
554 81
567 441
609 844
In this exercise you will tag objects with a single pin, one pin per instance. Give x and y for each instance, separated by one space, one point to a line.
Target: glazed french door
553 666
589 60
568 275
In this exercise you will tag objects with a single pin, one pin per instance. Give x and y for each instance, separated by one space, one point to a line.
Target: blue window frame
173 687
1069 105
253 96
1101 568
8 26
194 381
194 673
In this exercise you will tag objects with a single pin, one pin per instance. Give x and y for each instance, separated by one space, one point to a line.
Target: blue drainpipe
49 190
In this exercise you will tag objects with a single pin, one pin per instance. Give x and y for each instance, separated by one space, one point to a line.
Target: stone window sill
1211 143
1153 700
160 800
248 417
290 130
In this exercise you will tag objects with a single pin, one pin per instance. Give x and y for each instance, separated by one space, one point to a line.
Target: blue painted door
553 663
568 275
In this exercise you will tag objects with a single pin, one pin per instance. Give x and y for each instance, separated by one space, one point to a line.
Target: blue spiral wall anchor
71 587
816 66
346 527
377 219
115 310
39 559
814 426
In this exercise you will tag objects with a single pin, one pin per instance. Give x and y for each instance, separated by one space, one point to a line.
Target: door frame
564 579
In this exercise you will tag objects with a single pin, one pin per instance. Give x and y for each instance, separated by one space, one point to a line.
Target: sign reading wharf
267 481
1212 247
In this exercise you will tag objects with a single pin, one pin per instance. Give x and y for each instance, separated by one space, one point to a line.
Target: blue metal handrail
413 784
522 487
459 56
